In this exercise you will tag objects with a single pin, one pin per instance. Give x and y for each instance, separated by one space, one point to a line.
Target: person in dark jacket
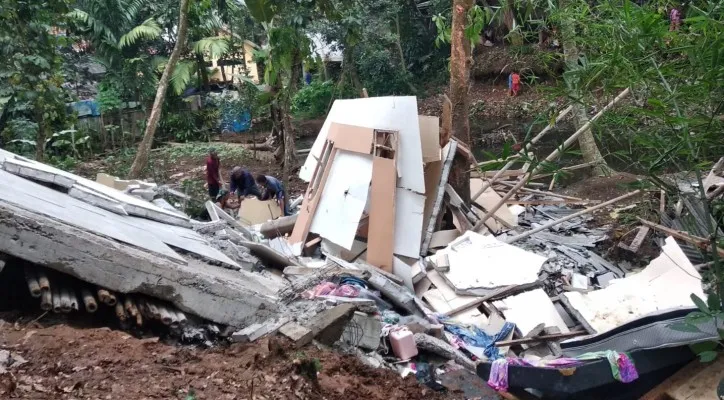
242 183
273 189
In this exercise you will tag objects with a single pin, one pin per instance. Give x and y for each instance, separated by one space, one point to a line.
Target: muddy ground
81 362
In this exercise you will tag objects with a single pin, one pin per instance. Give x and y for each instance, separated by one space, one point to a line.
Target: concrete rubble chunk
363 331
297 333
443 349
253 332
328 325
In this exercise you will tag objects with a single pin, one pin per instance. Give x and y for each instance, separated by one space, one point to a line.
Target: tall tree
30 65
144 148
460 63
586 142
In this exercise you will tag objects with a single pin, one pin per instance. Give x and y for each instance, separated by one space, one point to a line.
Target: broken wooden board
356 139
443 298
487 200
666 283
441 239
381 236
344 198
530 309
386 113
433 170
434 204
253 211
430 138
220 295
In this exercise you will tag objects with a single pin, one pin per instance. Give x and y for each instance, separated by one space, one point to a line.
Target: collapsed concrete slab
217 294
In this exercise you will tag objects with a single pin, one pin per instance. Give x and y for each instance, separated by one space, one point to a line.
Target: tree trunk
290 150
460 63
141 160
42 134
203 73
586 141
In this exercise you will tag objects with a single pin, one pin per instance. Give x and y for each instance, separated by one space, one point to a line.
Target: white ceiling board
666 283
478 261
409 210
528 310
344 198
388 113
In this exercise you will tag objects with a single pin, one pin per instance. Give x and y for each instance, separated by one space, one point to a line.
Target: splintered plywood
443 299
409 208
430 138
433 171
478 261
384 113
666 283
530 309
254 211
343 198
381 233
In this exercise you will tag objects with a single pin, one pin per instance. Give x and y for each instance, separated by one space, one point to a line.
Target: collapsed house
383 259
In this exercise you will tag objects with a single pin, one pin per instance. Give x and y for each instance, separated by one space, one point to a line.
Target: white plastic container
403 344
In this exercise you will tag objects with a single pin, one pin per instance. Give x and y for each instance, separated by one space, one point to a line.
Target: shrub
312 100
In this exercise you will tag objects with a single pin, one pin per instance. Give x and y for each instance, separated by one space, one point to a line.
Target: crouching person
273 189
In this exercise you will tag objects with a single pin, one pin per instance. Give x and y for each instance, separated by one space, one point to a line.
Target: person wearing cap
242 183
273 188
213 177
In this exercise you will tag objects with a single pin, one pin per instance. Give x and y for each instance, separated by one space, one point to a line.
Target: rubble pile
383 260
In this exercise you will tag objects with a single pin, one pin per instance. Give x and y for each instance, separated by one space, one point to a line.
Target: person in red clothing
514 83
213 177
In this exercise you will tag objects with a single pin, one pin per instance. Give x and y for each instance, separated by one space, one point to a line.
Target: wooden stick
662 202
699 242
558 151
550 202
542 338
522 151
560 196
568 217
571 168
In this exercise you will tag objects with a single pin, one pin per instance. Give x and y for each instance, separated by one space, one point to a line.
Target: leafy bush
380 72
312 100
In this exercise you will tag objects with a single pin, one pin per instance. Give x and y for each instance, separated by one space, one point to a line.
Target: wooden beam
699 242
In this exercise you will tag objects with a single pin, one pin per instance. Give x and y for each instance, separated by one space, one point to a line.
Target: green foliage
313 100
188 126
147 30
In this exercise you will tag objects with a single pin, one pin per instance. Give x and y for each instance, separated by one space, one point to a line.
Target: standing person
213 176
675 19
513 84
241 183
273 188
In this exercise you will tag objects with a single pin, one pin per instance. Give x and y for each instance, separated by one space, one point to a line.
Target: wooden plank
313 195
352 138
430 138
447 165
381 232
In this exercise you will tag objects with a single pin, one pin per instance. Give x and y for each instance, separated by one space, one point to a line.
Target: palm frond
149 30
101 31
182 75
215 46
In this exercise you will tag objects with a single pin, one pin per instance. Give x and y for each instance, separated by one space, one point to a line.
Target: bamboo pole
46 301
569 217
560 196
697 241
557 152
32 281
522 151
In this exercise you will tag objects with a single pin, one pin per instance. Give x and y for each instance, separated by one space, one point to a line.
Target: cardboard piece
430 138
530 309
381 241
343 199
443 298
441 239
387 113
487 200
254 211
433 171
666 283
478 261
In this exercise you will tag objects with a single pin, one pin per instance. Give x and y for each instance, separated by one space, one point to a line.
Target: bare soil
65 362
